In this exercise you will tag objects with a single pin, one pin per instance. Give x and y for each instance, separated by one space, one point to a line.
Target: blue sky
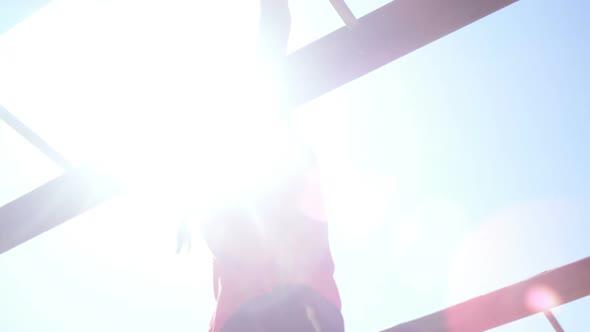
456 170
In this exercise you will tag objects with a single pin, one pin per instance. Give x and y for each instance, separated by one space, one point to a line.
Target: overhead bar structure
346 54
554 322
53 203
34 139
380 37
563 285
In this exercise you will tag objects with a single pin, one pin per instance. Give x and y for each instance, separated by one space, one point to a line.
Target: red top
279 240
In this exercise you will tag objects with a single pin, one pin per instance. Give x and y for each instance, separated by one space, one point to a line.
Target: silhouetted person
273 269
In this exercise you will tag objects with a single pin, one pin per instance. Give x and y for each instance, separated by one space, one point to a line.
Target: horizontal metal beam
503 306
53 204
379 38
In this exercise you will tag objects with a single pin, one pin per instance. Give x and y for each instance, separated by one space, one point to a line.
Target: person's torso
281 239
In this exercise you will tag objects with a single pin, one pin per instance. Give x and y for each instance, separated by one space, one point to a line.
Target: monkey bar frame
342 56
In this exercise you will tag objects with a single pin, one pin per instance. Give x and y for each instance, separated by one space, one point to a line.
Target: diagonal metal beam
340 57
553 321
379 38
52 204
505 305
33 138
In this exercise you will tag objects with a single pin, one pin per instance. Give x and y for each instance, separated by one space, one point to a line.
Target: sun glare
165 97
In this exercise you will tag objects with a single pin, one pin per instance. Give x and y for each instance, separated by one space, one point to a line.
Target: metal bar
34 139
346 15
52 204
553 321
342 56
377 39
505 305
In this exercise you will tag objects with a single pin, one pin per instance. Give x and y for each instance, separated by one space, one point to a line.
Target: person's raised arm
274 29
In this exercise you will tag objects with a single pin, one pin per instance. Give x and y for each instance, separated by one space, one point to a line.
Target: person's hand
183 237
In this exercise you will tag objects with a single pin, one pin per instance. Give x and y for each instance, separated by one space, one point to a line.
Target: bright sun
166 97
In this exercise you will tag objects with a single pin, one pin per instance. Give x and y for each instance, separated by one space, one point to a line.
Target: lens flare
541 298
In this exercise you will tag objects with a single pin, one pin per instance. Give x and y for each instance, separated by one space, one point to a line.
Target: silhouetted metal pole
32 137
553 321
